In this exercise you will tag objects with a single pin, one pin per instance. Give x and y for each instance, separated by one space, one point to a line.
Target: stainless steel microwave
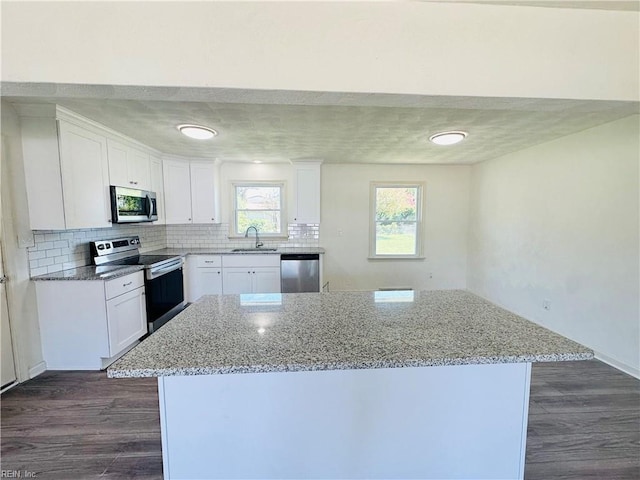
130 205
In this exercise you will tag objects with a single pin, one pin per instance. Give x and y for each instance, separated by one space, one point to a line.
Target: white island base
463 422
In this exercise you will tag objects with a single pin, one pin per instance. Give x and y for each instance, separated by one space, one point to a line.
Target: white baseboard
37 369
634 372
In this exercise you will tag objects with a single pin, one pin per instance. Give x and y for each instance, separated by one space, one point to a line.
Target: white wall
23 312
559 222
391 47
345 208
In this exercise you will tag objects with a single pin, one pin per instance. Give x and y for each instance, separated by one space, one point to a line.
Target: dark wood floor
584 423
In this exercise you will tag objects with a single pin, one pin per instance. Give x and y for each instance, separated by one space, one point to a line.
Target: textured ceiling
335 127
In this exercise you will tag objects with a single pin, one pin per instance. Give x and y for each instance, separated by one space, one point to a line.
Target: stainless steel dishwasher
300 273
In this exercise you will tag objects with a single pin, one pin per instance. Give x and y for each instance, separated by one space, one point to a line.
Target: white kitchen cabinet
66 165
128 166
203 276
88 324
177 192
85 177
305 206
191 191
204 201
254 273
126 319
157 186
66 171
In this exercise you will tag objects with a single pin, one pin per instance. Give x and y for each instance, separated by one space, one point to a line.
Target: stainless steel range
162 276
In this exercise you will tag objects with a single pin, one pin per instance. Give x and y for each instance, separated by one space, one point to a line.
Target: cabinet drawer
121 285
251 260
204 261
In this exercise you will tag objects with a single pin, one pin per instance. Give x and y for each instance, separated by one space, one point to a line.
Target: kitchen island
345 385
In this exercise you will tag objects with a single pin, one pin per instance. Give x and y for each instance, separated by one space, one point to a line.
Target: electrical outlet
546 304
340 232
430 274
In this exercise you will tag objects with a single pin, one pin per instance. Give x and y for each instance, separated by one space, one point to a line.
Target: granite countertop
341 330
90 272
228 251
106 272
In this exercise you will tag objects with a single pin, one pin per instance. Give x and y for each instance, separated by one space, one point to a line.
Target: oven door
129 205
165 297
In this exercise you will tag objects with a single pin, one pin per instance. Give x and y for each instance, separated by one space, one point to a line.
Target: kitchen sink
254 250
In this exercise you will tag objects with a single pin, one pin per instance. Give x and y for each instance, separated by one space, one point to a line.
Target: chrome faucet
258 242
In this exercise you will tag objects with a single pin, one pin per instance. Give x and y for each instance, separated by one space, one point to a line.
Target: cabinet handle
253 272
109 220
189 219
127 284
142 294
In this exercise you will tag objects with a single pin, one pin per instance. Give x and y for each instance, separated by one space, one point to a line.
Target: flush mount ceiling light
448 138
197 131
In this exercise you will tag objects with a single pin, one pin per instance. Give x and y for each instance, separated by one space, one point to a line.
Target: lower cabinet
231 274
251 274
251 280
126 319
203 276
87 324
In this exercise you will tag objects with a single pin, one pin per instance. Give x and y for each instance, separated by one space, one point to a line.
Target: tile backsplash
56 250
217 236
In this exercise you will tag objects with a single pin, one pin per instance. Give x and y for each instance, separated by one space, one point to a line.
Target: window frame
281 184
420 207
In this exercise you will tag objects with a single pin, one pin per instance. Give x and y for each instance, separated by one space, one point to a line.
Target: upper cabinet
305 207
177 191
191 191
128 166
85 177
66 170
69 163
157 185
204 192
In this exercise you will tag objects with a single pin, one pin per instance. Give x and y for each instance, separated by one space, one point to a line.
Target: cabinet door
307 194
139 172
155 165
118 156
203 192
266 280
237 280
206 281
126 320
177 192
85 177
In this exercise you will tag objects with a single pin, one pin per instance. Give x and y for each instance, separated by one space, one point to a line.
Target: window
396 223
258 205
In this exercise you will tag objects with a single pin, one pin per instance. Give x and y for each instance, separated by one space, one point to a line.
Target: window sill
396 257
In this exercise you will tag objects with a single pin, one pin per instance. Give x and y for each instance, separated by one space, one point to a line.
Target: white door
206 281
177 192
139 169
157 185
203 195
266 280
8 366
85 177
126 319
236 280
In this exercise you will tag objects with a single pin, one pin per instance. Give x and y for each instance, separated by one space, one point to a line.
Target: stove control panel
128 245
